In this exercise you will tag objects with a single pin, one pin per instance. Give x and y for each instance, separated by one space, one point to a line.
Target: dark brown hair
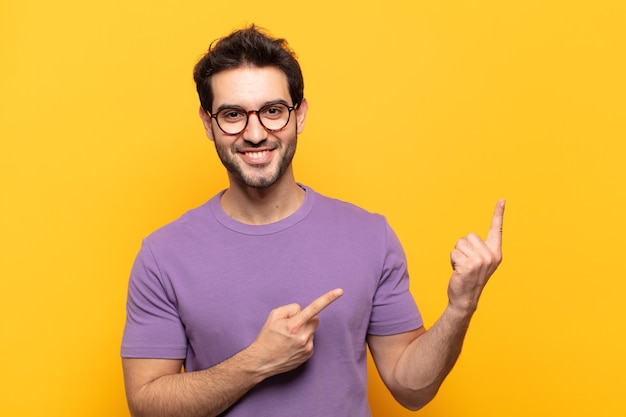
247 47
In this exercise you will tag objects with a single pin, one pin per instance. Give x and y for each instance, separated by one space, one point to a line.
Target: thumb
286 311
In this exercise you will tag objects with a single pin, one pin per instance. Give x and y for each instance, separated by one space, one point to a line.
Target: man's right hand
154 387
286 339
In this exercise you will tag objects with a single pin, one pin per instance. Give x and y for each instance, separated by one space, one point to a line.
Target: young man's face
255 157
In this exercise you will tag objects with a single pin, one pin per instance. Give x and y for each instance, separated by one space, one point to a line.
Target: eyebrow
238 107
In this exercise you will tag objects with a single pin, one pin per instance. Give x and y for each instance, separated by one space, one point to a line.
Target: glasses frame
256 112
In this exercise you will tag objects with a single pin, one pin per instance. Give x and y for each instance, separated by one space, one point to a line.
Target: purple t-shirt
202 287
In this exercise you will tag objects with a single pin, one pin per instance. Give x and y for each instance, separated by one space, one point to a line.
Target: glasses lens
274 116
232 121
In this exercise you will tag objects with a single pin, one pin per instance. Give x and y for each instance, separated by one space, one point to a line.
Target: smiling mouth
257 158
256 155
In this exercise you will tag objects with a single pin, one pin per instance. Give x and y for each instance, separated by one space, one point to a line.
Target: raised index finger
316 306
494 237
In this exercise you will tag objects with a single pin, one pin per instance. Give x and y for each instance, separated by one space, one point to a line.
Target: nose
254 131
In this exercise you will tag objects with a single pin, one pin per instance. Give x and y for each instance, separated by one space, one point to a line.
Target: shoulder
347 216
346 211
343 208
190 225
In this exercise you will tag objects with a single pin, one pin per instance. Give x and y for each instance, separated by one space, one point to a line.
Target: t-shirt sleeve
153 327
394 310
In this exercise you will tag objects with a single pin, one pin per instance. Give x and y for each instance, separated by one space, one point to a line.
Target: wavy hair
250 46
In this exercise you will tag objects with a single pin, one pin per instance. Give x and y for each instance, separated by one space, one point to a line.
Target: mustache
264 144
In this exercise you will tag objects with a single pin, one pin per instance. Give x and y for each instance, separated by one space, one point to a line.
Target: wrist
252 364
460 311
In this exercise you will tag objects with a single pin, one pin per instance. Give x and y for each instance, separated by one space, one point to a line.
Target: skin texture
263 190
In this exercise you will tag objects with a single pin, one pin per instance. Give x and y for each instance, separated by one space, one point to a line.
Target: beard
262 176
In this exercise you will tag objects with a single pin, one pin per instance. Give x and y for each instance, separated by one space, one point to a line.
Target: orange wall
425 111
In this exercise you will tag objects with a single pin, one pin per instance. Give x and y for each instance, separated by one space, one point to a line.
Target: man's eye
232 115
273 112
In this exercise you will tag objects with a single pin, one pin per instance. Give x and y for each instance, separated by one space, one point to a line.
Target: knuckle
308 350
474 263
292 328
493 259
275 311
302 341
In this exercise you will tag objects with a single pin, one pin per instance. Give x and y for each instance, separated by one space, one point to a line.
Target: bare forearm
156 388
419 361
203 393
427 361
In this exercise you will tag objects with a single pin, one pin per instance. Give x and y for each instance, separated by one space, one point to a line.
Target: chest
225 296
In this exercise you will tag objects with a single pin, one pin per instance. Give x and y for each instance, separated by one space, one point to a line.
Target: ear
207 122
301 115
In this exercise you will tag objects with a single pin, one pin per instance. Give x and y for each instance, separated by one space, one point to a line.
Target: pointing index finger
317 306
494 237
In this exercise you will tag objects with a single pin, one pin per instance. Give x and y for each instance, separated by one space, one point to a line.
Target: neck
259 206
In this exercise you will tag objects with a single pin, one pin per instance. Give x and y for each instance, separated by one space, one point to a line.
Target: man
219 291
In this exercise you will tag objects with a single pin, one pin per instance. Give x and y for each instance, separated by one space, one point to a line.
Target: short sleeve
153 327
394 310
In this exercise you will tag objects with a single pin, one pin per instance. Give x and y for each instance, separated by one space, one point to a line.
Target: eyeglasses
273 117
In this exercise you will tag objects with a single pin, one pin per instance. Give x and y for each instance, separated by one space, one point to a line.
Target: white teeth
256 155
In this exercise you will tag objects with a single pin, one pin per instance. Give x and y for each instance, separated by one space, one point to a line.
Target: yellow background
427 112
